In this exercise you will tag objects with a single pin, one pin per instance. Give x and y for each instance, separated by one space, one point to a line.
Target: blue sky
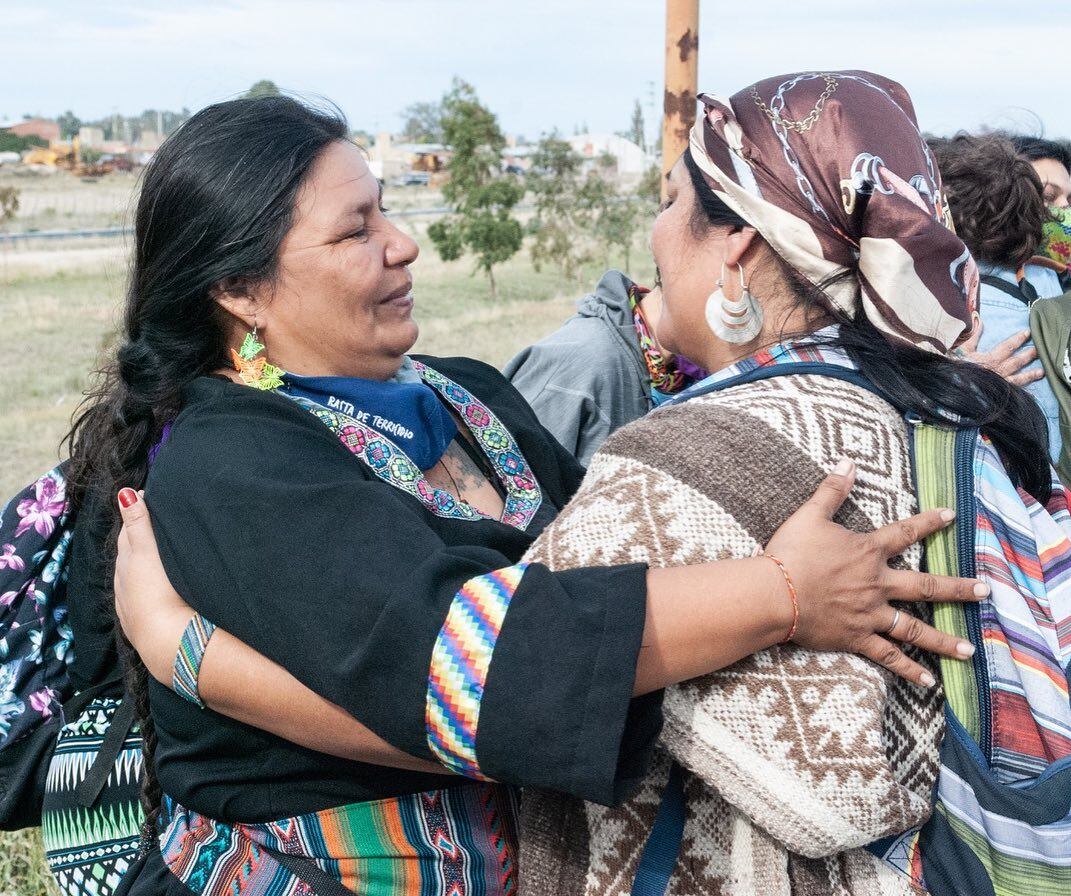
539 65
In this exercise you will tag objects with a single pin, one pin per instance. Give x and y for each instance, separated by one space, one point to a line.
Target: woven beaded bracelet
191 652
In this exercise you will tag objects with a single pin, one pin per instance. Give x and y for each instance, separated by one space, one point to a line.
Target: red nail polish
128 497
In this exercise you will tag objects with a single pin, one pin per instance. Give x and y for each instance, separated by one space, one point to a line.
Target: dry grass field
58 311
55 200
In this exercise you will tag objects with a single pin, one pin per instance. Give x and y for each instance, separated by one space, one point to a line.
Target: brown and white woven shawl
794 759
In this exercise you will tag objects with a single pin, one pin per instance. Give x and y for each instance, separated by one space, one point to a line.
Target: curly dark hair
995 196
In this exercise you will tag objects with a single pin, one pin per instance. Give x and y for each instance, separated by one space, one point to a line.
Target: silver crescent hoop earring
736 321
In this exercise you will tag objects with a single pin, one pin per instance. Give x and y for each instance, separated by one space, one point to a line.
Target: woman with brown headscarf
813 206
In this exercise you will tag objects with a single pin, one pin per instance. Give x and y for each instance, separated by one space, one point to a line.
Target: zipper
966 522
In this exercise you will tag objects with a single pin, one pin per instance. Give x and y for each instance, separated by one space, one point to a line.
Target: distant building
389 160
149 141
629 157
90 137
34 127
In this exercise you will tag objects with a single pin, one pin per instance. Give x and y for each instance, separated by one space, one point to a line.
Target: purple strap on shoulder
156 448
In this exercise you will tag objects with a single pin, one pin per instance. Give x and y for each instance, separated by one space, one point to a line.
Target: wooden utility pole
682 76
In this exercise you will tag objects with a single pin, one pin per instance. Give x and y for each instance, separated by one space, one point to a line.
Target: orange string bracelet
792 594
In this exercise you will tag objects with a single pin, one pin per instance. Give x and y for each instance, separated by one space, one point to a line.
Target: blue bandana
408 413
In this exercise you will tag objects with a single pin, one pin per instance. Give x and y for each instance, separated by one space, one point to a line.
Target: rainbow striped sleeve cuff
459 664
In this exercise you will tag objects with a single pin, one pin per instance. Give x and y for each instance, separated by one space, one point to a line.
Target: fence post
682 75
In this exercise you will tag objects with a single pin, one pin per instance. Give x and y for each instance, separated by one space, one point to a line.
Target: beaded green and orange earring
255 371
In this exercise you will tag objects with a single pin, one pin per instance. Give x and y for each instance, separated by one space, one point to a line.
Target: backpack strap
943 469
1023 290
148 873
664 842
800 368
310 874
122 720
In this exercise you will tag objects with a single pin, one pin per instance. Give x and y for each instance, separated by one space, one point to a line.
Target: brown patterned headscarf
831 169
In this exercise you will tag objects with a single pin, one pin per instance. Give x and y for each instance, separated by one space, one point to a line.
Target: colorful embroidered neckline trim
391 464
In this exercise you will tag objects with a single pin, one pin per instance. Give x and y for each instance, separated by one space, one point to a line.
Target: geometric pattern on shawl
793 760
1011 713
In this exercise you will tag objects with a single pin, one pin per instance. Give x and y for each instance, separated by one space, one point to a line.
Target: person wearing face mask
1056 242
602 368
1050 321
1052 162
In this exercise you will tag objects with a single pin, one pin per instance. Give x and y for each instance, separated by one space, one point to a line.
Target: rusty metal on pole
682 76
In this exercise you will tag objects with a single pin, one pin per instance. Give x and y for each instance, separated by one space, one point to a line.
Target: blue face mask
408 413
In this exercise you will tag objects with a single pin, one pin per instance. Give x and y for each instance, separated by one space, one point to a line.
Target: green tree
616 216
423 122
562 221
69 124
636 131
264 87
480 196
649 189
10 142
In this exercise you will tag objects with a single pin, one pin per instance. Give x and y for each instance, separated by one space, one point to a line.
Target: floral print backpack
35 642
70 762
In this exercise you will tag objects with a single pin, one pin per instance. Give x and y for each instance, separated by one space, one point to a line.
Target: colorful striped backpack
1002 811
1001 824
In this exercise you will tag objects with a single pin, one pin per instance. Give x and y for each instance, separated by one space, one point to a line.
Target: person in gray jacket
601 369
